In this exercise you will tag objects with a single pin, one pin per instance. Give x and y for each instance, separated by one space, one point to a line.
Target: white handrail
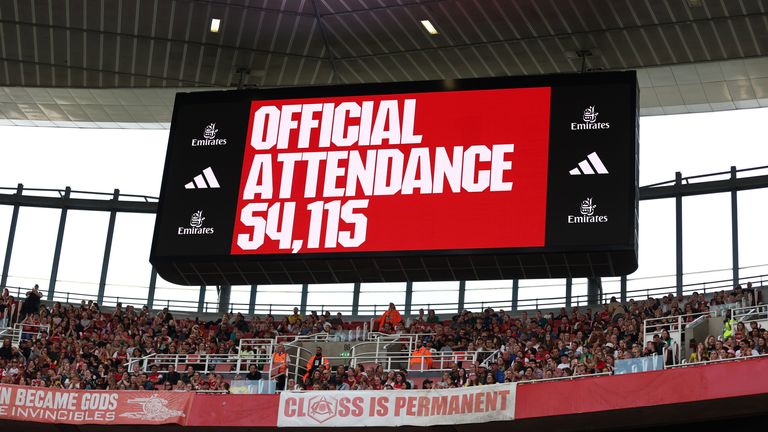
704 363
565 378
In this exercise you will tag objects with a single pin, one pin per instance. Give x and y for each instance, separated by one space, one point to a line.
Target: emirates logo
210 131
590 115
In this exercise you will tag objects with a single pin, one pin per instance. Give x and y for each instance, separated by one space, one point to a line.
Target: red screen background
446 221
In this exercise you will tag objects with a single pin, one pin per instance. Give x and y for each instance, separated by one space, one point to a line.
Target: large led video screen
462 179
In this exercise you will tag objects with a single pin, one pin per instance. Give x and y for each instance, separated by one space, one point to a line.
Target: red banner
402 172
334 409
46 405
671 386
233 410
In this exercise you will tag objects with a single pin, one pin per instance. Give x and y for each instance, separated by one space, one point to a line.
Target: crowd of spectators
86 348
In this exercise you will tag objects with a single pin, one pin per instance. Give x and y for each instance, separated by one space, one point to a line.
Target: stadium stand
84 347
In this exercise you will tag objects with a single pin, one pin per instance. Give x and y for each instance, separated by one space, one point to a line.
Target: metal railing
750 313
675 325
438 361
203 363
709 362
23 331
564 378
705 288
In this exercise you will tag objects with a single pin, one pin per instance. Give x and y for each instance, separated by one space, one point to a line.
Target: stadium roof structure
118 63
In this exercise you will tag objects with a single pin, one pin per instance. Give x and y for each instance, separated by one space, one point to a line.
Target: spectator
281 360
32 303
391 316
432 318
295 318
6 351
729 324
6 307
316 363
337 321
421 358
254 374
171 376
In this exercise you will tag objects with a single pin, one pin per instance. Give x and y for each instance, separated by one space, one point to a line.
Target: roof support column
624 289
356 299
515 293
201 300
59 242
462 291
408 297
252 300
225 293
735 229
11 236
679 232
108 248
151 293
304 296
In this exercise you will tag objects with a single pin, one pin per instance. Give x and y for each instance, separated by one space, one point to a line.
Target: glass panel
611 288
131 160
33 248
278 299
241 295
492 293
129 267
440 296
541 293
669 141
330 297
179 297
753 235
82 253
579 289
656 248
375 297
707 241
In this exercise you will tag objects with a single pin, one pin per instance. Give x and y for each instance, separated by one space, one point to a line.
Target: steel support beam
735 229
702 188
107 249
568 292
252 300
679 234
225 293
356 299
594 290
515 293
201 300
151 292
408 297
304 296
11 237
624 289
462 291
147 207
57 250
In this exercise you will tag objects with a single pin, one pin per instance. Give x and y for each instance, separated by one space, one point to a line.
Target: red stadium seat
223 367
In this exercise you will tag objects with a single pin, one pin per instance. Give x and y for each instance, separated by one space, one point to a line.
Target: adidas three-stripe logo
199 182
591 165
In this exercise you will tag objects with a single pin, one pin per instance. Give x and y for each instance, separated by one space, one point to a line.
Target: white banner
397 407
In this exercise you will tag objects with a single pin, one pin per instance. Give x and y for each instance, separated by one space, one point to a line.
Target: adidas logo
591 165
199 182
